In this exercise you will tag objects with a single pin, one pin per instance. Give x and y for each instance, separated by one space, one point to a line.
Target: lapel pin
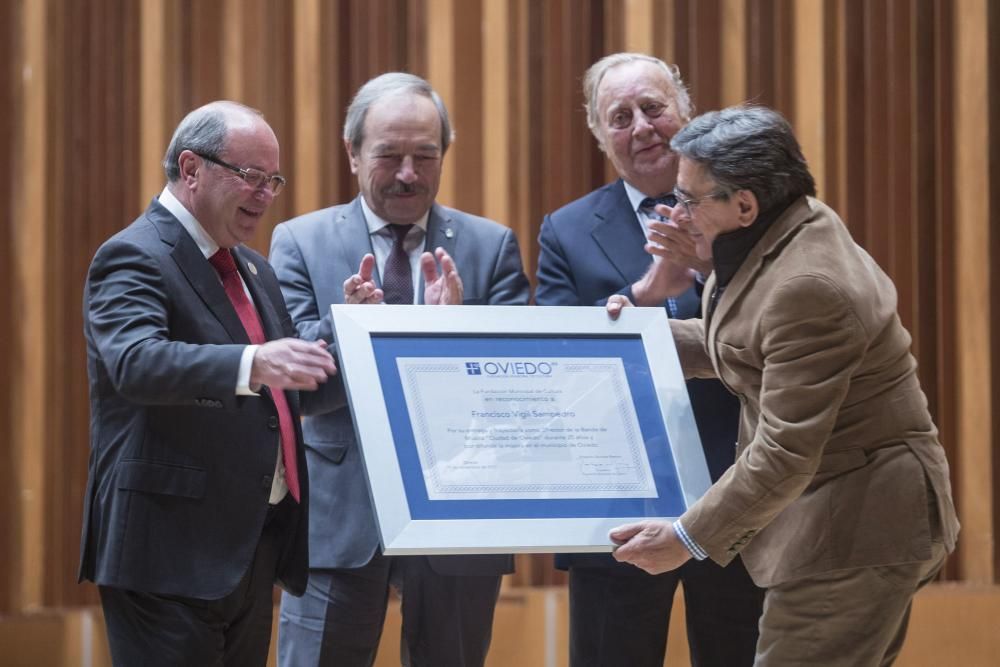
448 233
253 269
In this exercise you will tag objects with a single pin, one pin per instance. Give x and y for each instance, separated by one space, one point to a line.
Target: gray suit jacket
313 255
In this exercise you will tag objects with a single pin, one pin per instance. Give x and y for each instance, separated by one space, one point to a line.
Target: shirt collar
205 242
635 197
377 224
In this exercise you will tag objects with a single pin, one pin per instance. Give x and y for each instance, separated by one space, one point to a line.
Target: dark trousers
172 631
447 620
619 615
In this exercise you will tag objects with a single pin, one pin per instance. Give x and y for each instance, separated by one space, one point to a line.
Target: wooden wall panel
993 184
946 259
305 132
895 102
875 151
11 85
971 224
29 294
497 69
562 120
734 50
810 57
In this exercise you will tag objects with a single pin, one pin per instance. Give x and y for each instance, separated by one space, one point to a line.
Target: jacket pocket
837 463
332 451
163 478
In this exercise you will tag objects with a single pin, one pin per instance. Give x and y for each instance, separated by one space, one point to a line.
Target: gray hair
748 148
595 73
385 85
202 131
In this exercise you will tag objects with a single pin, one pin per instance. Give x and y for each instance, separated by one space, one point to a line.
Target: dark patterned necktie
226 267
648 203
397 276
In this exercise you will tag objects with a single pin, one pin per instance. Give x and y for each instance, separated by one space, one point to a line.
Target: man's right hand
663 279
615 304
361 288
672 239
672 271
290 363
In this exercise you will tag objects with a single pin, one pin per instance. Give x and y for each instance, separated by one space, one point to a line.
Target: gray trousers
447 620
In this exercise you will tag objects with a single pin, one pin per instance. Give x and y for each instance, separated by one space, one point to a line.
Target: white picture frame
378 345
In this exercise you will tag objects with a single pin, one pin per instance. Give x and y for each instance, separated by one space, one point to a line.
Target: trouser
174 631
447 620
619 615
855 618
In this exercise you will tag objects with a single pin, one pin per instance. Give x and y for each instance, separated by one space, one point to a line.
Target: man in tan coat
839 501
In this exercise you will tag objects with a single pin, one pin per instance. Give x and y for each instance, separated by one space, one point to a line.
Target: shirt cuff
696 551
243 378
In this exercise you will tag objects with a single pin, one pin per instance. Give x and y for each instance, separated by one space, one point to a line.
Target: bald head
204 131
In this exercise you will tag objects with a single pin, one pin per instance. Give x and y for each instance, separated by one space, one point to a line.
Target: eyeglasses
255 178
690 203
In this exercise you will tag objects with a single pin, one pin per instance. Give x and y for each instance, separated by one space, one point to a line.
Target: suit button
272 423
265 482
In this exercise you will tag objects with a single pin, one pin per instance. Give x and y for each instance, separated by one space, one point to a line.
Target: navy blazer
180 467
313 255
592 248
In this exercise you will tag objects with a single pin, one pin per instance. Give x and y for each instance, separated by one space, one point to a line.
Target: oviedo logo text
509 368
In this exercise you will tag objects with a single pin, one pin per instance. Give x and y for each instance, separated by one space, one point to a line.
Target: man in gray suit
377 249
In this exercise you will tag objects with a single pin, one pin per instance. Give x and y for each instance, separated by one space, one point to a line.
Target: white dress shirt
209 247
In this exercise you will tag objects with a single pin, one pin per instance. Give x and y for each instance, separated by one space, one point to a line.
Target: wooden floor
951 625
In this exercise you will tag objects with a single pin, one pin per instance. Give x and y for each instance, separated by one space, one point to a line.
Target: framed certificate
501 429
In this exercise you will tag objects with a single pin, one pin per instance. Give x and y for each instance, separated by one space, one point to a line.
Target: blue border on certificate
669 501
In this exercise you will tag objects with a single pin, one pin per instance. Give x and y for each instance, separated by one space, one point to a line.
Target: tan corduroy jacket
838 463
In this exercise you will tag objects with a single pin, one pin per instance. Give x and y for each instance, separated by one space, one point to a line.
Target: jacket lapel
619 235
199 273
269 319
795 215
351 237
442 232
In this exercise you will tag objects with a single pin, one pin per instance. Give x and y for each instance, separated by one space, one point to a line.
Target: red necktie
224 264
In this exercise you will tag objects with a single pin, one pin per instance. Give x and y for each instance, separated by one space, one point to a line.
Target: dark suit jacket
593 248
180 466
313 255
838 460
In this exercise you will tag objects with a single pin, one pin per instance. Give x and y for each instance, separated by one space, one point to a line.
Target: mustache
405 189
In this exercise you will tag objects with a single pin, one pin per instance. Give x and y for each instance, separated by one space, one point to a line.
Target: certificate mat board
505 429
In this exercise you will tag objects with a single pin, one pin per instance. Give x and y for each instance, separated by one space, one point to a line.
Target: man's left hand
650 545
444 289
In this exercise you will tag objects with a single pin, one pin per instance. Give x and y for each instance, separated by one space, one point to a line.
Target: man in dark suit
196 497
373 249
591 249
